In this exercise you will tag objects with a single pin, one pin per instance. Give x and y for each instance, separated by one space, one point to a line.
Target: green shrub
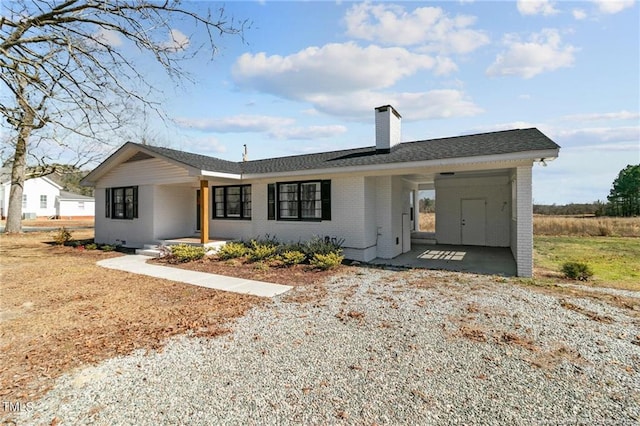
261 251
186 253
318 245
107 247
292 257
577 271
232 250
62 236
327 261
91 246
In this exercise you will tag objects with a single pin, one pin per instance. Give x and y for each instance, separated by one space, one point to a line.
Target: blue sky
309 74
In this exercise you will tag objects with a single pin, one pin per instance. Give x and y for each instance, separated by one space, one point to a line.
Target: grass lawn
615 261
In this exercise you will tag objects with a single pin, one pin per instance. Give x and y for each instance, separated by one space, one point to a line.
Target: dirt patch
586 312
60 311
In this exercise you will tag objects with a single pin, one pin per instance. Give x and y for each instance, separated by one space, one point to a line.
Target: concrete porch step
153 252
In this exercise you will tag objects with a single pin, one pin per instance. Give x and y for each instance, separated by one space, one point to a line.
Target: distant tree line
597 208
623 199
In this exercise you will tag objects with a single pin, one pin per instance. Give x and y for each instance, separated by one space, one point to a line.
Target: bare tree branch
65 86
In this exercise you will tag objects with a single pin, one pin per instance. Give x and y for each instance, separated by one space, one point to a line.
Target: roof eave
537 155
116 159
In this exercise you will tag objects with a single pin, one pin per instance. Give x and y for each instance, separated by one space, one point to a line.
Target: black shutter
271 201
325 195
107 202
135 202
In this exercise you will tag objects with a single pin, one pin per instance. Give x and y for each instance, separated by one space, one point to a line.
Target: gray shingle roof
66 195
202 162
494 143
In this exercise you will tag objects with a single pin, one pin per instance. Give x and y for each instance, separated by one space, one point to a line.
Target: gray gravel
379 347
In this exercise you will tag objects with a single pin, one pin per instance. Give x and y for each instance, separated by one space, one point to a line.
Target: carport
474 259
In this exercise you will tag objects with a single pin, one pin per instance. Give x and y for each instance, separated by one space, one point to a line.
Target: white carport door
473 222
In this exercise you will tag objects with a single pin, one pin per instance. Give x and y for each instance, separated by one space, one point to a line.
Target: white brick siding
522 223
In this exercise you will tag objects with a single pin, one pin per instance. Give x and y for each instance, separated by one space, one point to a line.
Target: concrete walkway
137 264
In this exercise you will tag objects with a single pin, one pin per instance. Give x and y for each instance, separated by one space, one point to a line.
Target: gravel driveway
379 347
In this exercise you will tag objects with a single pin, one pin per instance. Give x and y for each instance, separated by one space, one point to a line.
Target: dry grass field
588 226
60 311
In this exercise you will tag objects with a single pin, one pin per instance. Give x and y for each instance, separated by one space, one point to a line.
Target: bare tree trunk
14 211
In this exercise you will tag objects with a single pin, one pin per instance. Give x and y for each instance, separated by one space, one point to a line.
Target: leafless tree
71 74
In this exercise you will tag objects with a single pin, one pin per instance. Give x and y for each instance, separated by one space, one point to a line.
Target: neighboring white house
482 182
44 198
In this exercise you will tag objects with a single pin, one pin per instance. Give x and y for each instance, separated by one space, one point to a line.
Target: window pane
24 201
246 201
310 199
118 203
218 201
288 200
43 201
128 200
233 201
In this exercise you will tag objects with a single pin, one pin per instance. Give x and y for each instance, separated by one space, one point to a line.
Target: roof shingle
494 143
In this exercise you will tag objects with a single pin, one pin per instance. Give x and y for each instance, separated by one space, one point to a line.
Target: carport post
204 211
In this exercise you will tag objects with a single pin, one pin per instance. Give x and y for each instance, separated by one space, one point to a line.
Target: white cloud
412 105
613 6
235 124
347 80
579 14
620 115
333 68
108 37
597 135
205 146
543 52
537 7
429 27
275 127
307 133
177 41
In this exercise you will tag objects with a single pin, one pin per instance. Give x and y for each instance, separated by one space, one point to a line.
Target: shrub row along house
364 196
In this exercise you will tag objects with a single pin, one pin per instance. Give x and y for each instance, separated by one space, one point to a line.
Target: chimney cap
385 107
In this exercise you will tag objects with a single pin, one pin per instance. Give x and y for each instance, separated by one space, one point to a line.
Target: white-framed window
43 201
80 205
24 201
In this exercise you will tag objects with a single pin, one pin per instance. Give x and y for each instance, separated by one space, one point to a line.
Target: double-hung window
307 200
232 202
121 203
43 201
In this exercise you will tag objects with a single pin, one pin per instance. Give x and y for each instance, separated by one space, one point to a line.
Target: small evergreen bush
577 271
260 251
232 250
107 247
292 257
62 236
186 253
91 246
327 261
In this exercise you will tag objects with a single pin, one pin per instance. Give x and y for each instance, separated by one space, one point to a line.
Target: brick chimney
387 129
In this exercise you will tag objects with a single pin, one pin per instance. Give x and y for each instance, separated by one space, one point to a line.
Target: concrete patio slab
137 264
475 259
